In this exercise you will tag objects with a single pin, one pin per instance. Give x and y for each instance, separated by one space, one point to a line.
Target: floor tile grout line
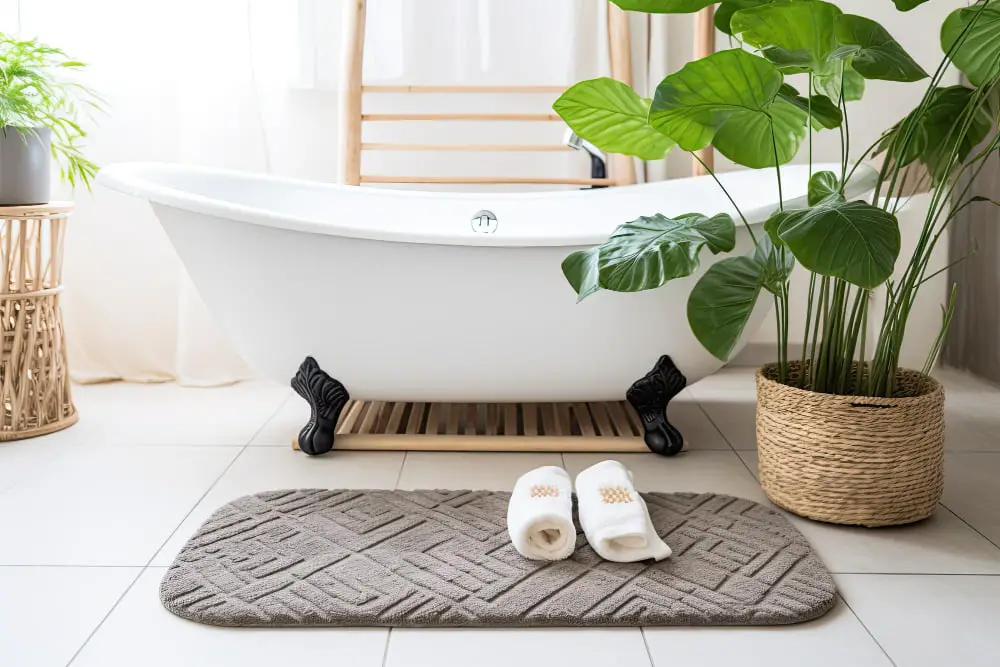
645 642
711 421
104 618
277 411
200 499
157 551
918 574
865 626
960 518
747 466
172 533
385 651
399 475
198 502
69 566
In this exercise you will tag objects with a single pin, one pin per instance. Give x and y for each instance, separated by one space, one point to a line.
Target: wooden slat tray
522 427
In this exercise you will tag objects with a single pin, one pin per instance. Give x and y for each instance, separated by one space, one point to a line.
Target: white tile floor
91 516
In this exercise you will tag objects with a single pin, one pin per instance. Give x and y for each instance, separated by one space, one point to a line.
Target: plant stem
860 387
845 133
784 325
777 166
781 302
803 368
809 130
711 173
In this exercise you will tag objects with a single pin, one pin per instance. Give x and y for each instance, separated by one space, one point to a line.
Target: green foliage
978 54
824 112
878 55
730 97
842 78
850 240
907 5
580 269
773 224
822 185
647 252
35 92
724 12
791 34
721 303
610 115
932 134
739 103
751 139
664 6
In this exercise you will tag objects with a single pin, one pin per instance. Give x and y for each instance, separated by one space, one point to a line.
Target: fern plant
36 91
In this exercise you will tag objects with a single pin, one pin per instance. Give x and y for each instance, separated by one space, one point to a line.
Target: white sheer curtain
251 84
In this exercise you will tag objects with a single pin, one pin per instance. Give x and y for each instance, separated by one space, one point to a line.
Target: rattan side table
35 393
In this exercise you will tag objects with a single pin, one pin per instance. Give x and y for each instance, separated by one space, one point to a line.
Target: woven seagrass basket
852 460
34 374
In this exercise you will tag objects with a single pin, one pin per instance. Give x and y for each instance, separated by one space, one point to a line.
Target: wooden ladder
353 118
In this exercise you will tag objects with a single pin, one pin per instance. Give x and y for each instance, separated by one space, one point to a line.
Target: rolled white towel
540 515
614 516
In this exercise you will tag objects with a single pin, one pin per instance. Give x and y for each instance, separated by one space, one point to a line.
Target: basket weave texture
854 460
35 396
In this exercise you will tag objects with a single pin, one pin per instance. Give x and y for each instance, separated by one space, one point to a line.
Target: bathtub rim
132 178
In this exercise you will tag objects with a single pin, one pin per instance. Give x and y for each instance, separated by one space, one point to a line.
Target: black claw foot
649 396
327 398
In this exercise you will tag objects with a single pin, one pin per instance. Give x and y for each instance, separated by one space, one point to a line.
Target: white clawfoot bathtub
404 295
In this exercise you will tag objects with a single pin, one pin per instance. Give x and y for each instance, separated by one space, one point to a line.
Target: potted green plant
844 434
40 109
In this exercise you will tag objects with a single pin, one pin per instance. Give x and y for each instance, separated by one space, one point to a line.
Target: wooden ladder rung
487 179
460 116
464 147
464 89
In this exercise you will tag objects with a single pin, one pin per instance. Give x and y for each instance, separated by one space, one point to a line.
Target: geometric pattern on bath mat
313 557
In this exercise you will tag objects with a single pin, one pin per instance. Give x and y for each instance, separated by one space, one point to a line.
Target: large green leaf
664 6
854 83
580 269
693 103
825 113
852 240
721 302
978 56
746 137
773 224
822 184
612 116
724 12
796 34
907 5
936 132
879 56
647 252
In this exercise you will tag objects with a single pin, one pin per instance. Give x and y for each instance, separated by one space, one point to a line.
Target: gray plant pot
25 166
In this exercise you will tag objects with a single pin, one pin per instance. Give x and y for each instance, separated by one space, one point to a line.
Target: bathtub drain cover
484 222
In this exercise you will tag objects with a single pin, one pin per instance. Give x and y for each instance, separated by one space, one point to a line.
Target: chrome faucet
598 168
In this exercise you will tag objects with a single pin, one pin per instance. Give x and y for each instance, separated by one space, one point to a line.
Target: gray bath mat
443 558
